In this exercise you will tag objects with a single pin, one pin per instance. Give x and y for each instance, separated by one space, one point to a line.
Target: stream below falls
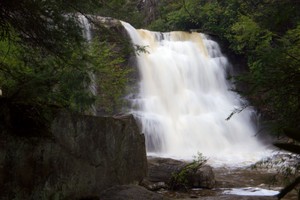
260 181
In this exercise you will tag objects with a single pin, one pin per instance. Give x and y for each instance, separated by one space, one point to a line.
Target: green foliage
274 77
180 179
112 76
121 9
35 85
266 33
141 49
159 25
174 16
248 36
46 64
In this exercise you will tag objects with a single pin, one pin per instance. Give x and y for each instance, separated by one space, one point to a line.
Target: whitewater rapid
184 99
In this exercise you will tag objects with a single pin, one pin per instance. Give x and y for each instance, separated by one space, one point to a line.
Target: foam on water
251 191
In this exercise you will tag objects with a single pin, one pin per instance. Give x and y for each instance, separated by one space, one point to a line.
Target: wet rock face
110 23
150 10
84 156
106 21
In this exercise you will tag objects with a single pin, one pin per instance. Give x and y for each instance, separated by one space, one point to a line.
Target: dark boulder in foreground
83 156
132 192
163 170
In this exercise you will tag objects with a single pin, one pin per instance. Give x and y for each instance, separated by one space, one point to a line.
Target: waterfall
87 34
86 26
184 99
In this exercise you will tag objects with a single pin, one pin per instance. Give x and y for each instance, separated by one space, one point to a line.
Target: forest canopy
46 63
265 32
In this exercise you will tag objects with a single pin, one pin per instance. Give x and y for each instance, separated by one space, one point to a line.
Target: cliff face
149 8
111 84
83 156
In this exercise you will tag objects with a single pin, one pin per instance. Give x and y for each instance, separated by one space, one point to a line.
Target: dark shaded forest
266 33
46 63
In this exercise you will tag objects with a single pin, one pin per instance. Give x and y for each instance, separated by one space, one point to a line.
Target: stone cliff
83 156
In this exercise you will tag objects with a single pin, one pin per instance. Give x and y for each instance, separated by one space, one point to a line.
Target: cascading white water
87 34
85 24
185 98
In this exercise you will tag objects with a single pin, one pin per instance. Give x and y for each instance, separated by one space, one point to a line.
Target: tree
266 33
273 59
126 10
45 63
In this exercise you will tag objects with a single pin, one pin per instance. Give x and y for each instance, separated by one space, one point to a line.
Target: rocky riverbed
260 181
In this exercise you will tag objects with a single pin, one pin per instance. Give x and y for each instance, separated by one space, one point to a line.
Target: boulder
83 156
132 192
153 186
203 178
164 170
